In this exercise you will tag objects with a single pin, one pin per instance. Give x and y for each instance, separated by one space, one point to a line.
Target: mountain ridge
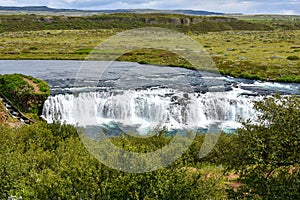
107 11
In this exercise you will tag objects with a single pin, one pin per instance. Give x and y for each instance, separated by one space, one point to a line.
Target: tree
266 152
48 161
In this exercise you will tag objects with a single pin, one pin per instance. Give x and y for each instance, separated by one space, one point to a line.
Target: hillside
126 21
25 92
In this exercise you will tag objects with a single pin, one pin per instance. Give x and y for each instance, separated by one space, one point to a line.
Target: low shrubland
46 161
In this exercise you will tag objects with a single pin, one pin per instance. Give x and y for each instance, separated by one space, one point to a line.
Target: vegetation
276 21
268 52
49 162
26 92
44 161
266 155
264 55
156 56
257 55
293 58
3 113
126 21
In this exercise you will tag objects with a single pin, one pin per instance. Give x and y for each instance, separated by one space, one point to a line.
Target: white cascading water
152 108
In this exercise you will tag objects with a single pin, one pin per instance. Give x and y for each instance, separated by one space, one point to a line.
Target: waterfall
151 108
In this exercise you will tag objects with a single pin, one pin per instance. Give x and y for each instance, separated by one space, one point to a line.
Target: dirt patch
190 169
3 114
232 178
236 185
34 85
15 124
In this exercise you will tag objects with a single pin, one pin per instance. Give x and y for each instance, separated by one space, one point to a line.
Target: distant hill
179 22
47 9
45 18
35 8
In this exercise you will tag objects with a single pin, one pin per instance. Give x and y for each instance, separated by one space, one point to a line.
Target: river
144 97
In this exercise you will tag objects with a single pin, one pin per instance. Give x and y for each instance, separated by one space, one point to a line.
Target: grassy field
270 55
265 55
51 44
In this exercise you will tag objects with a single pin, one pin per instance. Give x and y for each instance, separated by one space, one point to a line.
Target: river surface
128 96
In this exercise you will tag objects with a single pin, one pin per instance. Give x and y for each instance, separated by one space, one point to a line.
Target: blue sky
228 6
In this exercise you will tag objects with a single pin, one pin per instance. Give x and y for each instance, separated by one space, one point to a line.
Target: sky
288 7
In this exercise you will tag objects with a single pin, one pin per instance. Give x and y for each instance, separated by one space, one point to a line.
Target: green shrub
83 51
33 48
44 161
266 153
293 58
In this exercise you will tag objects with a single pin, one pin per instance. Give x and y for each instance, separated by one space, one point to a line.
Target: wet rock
275 57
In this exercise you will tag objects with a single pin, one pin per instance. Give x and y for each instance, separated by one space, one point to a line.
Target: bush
266 154
33 48
44 161
292 58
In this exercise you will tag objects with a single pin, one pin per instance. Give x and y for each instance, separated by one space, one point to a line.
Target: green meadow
264 55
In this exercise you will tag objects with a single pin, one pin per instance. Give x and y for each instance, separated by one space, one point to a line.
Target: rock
196 20
150 21
295 47
242 58
186 21
175 21
230 49
275 57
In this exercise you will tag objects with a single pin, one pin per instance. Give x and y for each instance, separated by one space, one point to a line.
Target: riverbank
262 55
23 93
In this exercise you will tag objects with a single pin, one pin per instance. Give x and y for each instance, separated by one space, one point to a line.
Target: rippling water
144 96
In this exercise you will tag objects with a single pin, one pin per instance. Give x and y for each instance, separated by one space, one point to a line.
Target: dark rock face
197 20
175 21
186 21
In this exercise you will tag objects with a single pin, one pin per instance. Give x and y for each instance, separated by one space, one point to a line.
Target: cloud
287 12
228 6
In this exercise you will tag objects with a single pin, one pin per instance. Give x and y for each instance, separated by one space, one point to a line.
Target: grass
261 55
265 55
51 44
25 92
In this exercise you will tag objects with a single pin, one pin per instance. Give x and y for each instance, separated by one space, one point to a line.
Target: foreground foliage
266 155
44 161
49 162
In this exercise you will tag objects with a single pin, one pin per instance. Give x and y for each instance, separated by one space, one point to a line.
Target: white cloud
287 12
